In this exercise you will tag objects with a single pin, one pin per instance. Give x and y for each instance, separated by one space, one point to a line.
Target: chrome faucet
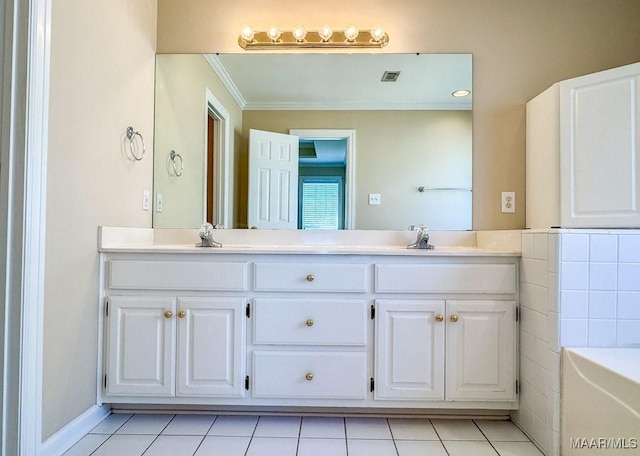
422 241
206 236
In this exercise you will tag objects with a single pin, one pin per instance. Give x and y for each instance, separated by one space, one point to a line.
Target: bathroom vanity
308 325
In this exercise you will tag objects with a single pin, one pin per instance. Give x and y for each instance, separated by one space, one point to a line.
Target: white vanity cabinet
334 330
163 340
162 346
454 350
583 152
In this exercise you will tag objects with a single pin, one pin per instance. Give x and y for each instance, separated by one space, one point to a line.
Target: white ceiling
345 81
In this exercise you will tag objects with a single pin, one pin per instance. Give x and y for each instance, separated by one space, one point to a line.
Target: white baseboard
69 435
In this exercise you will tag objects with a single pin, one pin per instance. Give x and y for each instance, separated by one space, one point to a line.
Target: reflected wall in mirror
412 140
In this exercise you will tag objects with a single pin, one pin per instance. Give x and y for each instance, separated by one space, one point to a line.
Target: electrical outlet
146 200
159 202
508 202
374 198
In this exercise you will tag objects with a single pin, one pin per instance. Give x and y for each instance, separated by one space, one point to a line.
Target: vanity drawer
310 375
310 322
445 278
177 275
350 278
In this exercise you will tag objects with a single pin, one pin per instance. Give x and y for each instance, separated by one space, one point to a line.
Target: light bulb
461 93
351 33
247 33
299 33
274 33
377 33
325 33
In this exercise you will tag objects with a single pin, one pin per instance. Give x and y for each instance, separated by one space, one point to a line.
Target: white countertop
353 242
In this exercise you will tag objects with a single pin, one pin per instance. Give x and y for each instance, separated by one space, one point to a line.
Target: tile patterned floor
210 435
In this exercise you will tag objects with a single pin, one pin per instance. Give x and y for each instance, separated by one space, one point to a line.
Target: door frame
23 188
350 166
221 160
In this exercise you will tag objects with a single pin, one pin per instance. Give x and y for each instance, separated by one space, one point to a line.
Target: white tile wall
590 296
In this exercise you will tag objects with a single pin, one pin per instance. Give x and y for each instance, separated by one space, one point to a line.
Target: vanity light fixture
325 37
461 93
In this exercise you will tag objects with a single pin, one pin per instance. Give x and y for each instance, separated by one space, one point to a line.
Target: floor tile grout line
439 438
484 435
346 442
393 439
299 434
112 434
158 435
205 435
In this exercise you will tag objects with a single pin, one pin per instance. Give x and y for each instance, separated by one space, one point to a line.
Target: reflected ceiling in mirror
346 81
410 133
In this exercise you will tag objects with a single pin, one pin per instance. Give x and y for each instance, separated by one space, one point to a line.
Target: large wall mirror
313 141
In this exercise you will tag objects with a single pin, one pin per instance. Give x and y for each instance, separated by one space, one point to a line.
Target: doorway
331 183
216 170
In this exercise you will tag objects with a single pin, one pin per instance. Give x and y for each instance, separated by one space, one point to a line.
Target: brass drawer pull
182 314
168 314
439 318
454 318
309 322
310 277
309 376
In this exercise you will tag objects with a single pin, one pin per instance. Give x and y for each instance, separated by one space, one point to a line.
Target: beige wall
396 152
519 49
181 83
102 71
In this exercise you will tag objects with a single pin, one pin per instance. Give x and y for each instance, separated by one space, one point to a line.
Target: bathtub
600 401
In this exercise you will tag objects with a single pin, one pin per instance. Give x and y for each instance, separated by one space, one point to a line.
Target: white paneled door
600 160
410 349
211 339
480 350
273 180
142 340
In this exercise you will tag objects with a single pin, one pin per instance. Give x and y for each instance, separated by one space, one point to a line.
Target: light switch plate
159 202
146 200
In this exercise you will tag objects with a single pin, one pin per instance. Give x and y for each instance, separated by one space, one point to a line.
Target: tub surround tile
575 304
573 332
629 248
574 247
602 333
628 274
628 333
603 248
574 276
603 276
628 305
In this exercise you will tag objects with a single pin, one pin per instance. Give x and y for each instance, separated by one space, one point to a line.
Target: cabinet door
409 349
480 350
211 334
142 337
600 149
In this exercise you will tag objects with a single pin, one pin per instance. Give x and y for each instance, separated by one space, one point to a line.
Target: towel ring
131 136
173 155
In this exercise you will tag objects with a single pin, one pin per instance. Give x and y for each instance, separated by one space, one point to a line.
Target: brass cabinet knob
309 322
439 318
310 277
182 314
454 318
309 376
168 314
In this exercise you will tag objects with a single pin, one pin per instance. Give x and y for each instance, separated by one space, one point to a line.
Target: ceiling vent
390 76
